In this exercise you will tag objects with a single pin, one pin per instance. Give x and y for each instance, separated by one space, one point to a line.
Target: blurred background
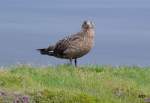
122 30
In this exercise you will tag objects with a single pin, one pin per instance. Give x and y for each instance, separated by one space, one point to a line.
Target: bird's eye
85 22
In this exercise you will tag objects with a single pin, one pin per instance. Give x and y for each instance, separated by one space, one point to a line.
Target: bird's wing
68 43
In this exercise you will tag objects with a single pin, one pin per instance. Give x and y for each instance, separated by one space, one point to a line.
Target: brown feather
73 46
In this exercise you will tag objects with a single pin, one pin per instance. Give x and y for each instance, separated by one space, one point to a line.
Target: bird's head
87 25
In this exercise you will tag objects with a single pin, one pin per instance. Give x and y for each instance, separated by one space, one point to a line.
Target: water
122 30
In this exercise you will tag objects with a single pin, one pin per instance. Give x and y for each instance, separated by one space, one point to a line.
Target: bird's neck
89 32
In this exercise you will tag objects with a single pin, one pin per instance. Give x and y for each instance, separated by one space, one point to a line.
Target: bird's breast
85 45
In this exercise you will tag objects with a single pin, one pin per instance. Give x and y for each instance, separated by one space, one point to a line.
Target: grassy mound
66 84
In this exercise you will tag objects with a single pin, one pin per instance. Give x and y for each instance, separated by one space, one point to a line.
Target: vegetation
67 84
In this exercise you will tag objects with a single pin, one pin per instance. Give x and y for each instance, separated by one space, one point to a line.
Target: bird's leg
70 61
75 61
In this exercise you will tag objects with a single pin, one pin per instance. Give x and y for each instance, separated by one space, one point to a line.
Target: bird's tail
46 51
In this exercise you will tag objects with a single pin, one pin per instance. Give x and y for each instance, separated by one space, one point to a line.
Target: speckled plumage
73 46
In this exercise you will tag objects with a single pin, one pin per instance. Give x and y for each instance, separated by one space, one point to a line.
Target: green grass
66 84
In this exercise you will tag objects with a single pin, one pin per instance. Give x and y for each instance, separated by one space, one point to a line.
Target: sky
122 29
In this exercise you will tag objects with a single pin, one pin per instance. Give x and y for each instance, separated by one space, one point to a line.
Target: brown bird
73 46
